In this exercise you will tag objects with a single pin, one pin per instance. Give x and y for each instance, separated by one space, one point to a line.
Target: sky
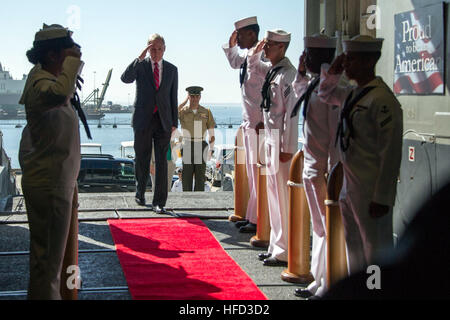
113 33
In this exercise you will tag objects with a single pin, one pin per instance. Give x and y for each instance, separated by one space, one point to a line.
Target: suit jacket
147 97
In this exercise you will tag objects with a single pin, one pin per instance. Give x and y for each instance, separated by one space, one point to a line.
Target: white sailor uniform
320 154
371 157
252 116
281 135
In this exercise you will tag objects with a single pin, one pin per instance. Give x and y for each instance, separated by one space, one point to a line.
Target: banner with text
419 51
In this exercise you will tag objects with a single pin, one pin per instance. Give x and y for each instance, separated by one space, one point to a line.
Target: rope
332 203
295 185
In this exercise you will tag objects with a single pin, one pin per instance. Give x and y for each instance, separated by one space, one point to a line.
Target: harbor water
110 137
116 128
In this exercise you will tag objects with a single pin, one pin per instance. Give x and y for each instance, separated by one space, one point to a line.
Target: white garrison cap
363 44
278 36
246 22
54 31
320 41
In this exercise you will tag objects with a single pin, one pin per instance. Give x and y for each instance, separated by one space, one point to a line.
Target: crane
94 101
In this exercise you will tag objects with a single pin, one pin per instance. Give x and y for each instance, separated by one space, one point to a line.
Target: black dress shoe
264 256
249 228
303 293
274 262
241 224
160 210
140 201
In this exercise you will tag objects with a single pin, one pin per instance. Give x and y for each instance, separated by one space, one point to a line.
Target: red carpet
178 259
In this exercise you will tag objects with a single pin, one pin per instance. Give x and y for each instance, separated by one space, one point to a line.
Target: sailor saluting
320 123
281 134
245 36
370 141
50 156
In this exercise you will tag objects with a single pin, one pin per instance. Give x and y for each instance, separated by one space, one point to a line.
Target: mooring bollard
241 192
262 238
336 247
299 252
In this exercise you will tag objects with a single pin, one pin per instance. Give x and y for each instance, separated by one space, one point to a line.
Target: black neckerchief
77 104
266 103
305 98
243 72
345 127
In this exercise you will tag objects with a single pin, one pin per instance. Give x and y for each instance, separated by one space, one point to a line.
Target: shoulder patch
386 122
385 110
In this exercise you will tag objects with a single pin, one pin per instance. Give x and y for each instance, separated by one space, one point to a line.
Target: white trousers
278 199
251 154
316 191
367 238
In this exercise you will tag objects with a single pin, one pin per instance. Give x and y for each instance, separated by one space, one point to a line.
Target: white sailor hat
320 41
50 32
246 22
363 44
278 36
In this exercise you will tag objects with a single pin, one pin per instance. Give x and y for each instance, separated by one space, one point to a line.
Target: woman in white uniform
50 156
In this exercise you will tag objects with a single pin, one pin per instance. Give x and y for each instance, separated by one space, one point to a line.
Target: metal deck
101 272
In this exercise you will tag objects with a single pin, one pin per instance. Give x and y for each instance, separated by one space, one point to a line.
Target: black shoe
274 262
314 298
160 210
140 201
303 293
241 224
249 228
264 256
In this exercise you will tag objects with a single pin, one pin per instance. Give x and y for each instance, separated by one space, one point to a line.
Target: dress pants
49 211
278 200
143 139
194 166
316 191
251 155
171 166
367 239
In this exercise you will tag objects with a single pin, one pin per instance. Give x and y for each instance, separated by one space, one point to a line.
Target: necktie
266 103
243 72
156 77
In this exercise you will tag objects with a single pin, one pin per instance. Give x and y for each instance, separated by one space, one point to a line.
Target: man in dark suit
155 117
